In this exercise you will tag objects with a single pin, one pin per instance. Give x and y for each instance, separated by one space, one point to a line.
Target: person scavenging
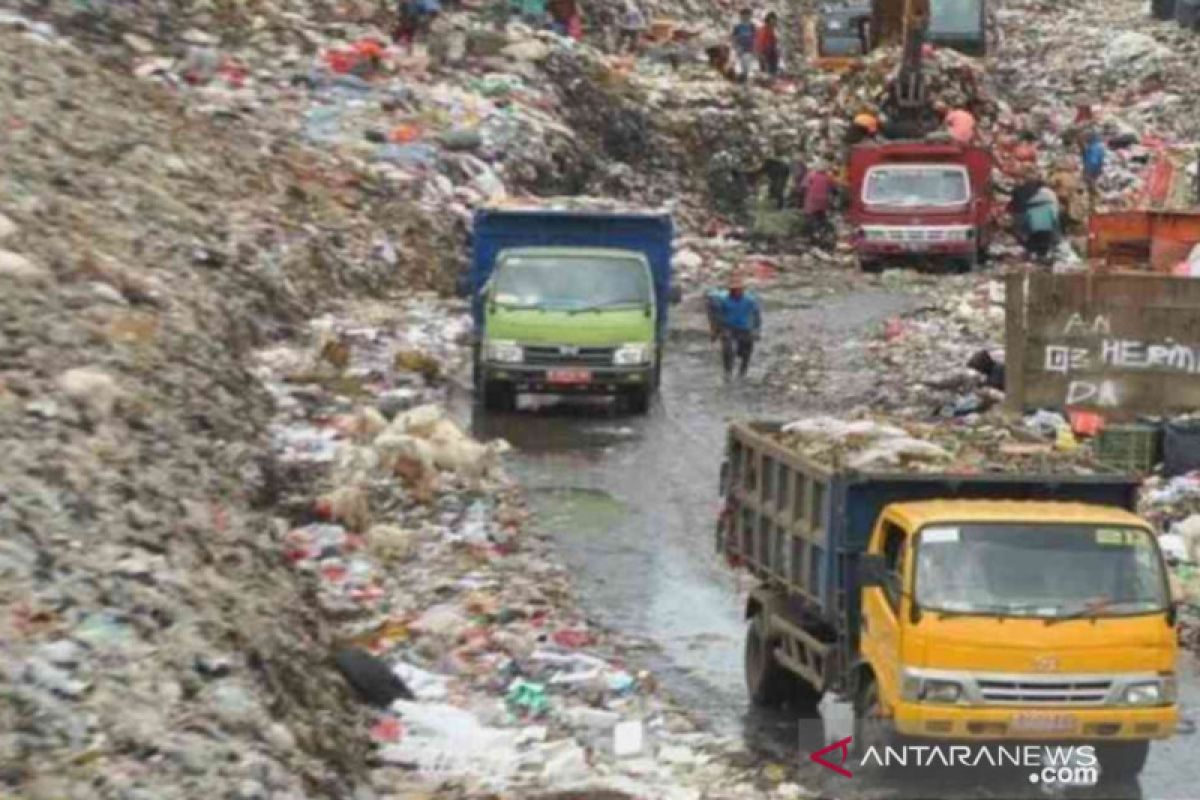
737 319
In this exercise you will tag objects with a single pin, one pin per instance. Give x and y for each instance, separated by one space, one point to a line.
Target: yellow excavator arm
894 22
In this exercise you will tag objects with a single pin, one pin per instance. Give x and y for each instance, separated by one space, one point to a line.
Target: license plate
566 376
1043 723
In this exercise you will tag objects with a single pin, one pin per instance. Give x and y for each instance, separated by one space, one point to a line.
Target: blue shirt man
1093 158
737 318
739 311
744 33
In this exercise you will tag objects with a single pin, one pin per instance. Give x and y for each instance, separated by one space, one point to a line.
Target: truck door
882 608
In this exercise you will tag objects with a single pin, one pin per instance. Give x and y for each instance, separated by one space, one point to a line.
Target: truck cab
920 201
986 620
569 303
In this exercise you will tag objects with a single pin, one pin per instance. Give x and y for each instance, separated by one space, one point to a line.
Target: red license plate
567 376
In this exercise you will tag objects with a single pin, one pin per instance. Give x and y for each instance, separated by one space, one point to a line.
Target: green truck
569 302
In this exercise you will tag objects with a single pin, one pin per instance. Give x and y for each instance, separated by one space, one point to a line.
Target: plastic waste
628 738
528 697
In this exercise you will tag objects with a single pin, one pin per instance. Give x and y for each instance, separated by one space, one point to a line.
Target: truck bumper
867 249
545 379
1060 724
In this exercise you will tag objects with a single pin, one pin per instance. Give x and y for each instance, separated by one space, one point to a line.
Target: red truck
920 201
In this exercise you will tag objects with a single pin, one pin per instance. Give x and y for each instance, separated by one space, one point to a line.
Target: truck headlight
939 691
916 688
1150 693
505 352
631 354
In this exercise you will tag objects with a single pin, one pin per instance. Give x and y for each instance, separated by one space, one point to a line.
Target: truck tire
871 266
639 400
767 682
871 728
965 266
499 396
1122 762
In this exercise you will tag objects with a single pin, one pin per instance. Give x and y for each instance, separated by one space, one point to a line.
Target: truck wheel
871 728
766 681
871 266
639 400
964 266
499 396
1122 762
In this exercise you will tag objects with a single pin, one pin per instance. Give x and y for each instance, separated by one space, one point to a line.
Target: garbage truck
976 608
569 302
925 201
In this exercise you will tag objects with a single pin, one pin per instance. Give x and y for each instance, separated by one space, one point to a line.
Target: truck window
955 17
894 545
916 185
570 282
1044 571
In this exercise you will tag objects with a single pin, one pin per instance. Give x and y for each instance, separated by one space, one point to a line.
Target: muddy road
631 504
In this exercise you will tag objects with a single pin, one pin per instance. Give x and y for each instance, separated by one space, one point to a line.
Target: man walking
737 319
744 35
766 46
633 26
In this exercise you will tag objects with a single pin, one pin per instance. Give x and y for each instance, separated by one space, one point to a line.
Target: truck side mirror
675 295
872 571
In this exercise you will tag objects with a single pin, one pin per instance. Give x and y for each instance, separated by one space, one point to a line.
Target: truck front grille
1050 692
570 356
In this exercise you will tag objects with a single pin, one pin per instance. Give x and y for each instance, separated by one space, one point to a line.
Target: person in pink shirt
961 125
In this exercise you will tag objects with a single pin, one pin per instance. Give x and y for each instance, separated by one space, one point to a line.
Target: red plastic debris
572 638
388 730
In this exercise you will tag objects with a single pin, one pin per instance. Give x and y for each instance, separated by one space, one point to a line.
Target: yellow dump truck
980 608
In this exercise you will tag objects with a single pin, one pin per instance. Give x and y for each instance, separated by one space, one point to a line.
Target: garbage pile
1107 66
1173 505
454 623
154 645
925 359
873 443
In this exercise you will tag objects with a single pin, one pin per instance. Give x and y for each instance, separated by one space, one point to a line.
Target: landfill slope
147 616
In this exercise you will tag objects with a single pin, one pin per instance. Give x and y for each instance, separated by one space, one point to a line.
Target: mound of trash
877 444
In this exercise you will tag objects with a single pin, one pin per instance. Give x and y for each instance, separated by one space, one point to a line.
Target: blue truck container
496 230
800 527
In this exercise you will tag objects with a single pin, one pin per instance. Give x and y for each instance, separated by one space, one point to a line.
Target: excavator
842 34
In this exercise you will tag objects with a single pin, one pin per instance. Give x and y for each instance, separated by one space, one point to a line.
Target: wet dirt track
631 503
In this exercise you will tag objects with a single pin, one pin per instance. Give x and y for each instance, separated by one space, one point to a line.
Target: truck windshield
571 282
896 185
1047 571
955 17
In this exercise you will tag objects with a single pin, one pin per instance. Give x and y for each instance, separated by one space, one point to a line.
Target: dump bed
499 229
800 526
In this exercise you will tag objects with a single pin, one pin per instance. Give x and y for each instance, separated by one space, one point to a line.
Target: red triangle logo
842 746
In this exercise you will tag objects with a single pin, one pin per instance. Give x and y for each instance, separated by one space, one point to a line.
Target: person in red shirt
818 187
766 45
